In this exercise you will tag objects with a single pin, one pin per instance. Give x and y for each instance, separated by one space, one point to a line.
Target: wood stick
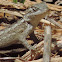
46 21
47 44
59 59
54 22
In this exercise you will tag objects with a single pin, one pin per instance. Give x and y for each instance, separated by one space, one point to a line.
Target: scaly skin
20 30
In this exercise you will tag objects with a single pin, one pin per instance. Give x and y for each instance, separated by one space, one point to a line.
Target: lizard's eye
35 8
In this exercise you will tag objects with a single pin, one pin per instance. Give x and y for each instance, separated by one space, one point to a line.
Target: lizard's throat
35 20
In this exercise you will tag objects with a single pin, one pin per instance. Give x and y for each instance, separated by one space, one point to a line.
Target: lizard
25 26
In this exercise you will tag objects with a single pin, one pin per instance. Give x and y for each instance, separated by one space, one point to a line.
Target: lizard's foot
34 53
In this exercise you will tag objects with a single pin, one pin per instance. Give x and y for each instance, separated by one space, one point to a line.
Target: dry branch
47 45
46 21
54 22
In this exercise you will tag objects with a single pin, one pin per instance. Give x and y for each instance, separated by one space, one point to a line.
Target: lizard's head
38 7
36 12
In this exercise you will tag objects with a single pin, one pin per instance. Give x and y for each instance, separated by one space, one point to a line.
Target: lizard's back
9 35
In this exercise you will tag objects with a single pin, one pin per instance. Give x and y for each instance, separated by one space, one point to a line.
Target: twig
47 44
54 22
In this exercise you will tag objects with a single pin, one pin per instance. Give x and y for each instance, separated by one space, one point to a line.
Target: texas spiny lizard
23 27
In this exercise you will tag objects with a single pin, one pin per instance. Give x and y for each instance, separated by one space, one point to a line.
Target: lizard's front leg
23 40
22 37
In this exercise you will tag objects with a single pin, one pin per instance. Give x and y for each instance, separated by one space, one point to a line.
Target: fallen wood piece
8 58
47 45
58 2
54 22
11 12
46 21
54 31
38 1
48 0
59 59
11 58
